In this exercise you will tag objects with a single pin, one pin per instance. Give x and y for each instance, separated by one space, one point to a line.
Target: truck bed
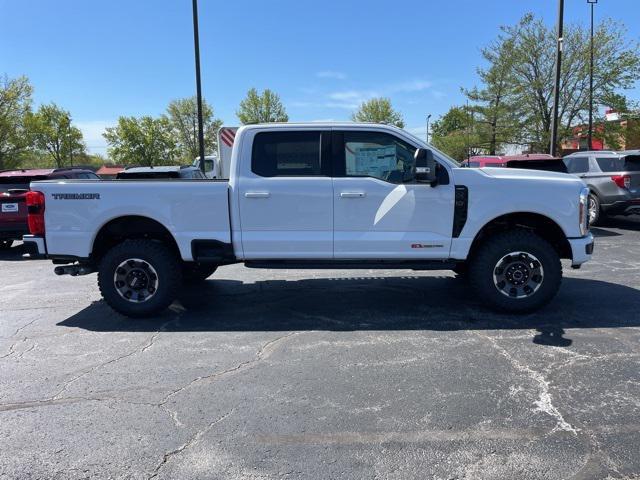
76 210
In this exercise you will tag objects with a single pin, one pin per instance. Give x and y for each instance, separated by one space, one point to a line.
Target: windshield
630 163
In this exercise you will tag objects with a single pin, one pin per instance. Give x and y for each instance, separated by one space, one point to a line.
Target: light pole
590 136
428 118
556 90
196 44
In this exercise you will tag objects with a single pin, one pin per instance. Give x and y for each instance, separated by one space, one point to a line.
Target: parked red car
14 185
481 161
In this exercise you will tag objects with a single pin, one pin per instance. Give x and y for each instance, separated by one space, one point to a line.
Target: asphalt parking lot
266 374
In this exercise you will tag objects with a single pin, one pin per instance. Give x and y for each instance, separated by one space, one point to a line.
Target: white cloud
410 86
331 74
92 131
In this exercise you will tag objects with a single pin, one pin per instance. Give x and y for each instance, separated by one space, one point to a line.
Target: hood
521 173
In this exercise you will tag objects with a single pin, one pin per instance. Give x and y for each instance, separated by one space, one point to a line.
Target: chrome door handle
257 194
352 194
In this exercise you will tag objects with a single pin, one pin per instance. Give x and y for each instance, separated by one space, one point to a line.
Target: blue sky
102 59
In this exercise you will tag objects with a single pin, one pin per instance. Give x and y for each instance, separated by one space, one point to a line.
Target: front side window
578 165
278 154
379 155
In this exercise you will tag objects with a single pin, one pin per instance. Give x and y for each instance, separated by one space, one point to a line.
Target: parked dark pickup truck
14 185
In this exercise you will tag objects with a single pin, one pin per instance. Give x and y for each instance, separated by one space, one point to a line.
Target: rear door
380 211
285 196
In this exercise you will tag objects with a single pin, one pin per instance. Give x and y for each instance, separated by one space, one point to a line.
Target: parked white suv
321 195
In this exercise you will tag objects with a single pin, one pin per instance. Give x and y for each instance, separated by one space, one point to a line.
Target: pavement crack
544 403
146 346
192 441
23 327
262 354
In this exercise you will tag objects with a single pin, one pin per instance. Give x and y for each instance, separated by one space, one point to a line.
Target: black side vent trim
460 209
212 251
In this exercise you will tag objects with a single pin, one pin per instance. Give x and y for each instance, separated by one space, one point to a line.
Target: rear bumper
622 207
581 249
34 246
12 232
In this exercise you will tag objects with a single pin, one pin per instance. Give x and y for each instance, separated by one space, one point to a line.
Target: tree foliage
51 131
142 141
516 96
378 110
183 118
454 134
264 107
15 103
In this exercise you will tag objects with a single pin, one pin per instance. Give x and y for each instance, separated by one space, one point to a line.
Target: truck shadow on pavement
371 303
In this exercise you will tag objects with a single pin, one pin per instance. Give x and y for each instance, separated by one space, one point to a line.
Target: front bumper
34 246
581 249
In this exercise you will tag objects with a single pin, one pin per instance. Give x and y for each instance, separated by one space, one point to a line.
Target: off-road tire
194 273
160 258
483 268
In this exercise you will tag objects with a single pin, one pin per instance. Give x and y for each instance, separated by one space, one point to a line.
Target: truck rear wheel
139 278
516 271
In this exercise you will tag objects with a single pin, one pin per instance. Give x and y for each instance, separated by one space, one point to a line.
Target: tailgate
77 210
13 212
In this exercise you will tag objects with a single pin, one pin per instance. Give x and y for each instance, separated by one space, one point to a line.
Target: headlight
583 211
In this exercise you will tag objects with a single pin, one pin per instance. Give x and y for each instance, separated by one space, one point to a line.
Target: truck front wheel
139 278
516 271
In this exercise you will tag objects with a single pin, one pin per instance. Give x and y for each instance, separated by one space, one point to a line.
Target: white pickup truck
321 195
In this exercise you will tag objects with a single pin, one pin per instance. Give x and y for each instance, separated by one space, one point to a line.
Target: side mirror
425 167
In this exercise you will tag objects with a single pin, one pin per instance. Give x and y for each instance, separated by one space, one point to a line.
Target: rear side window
281 154
577 164
619 164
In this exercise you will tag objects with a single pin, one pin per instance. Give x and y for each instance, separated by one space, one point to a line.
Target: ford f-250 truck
321 195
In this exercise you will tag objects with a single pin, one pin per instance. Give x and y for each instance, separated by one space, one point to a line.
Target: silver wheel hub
593 210
135 280
518 275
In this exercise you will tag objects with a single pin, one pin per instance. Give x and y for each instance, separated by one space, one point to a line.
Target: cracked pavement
263 374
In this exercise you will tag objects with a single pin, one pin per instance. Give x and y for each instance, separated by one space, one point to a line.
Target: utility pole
196 44
590 135
556 90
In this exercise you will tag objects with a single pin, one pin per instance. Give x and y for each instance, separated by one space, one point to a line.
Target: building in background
628 138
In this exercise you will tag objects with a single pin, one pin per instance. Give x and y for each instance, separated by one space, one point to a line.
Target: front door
380 211
286 207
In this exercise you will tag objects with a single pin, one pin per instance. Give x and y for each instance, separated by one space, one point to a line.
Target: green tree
15 103
378 110
52 132
529 49
142 141
495 109
261 108
183 117
455 134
